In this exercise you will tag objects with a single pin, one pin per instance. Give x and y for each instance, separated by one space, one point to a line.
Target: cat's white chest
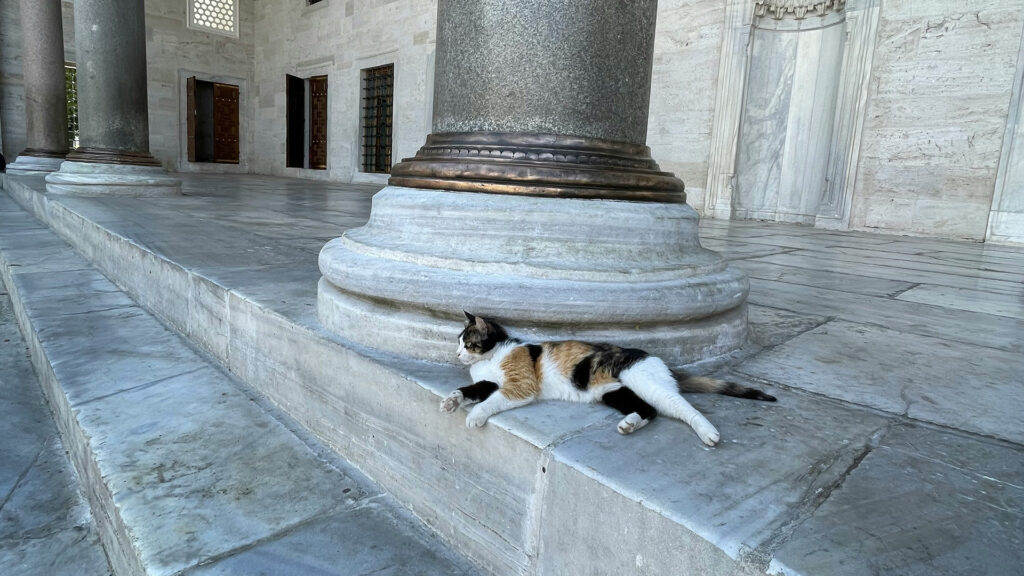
490 369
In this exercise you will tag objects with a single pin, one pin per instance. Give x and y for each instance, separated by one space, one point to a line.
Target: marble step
186 470
46 528
550 488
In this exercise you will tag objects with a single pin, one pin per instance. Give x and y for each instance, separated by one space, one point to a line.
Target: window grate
71 94
218 16
378 89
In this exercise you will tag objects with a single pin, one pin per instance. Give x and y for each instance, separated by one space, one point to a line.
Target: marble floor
45 526
915 343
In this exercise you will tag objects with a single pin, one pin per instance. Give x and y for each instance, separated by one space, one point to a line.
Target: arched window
217 16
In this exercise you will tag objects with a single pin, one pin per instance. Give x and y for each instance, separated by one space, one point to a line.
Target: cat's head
479 337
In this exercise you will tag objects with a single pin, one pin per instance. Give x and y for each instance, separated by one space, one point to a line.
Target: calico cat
508 373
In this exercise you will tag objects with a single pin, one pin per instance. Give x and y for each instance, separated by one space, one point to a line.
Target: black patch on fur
581 373
614 359
482 340
535 351
480 391
734 389
626 401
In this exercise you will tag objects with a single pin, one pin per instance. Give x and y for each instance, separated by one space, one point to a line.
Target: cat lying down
630 380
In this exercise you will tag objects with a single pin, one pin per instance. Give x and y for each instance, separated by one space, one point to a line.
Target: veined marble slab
965 299
1012 267
829 279
880 268
924 502
732 249
903 373
956 326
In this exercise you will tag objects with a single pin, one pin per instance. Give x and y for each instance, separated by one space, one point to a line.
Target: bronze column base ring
538 165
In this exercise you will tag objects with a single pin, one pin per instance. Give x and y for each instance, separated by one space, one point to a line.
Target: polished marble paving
882 349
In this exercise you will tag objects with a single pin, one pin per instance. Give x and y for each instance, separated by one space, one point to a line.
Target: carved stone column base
112 156
26 164
94 179
632 273
538 165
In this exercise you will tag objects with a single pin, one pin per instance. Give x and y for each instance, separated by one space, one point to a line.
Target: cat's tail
690 383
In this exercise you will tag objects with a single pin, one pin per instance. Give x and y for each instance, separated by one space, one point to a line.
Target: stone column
113 116
535 200
42 55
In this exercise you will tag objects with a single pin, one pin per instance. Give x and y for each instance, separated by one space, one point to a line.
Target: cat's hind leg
477 392
638 413
653 381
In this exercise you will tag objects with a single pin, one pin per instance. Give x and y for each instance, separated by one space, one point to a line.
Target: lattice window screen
71 94
217 16
378 90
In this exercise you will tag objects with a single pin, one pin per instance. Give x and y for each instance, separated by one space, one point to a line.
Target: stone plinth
630 272
26 164
98 179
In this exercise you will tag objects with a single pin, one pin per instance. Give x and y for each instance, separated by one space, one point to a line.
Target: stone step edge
123 546
112 531
509 557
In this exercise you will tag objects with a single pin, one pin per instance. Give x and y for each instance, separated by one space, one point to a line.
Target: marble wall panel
171 49
938 101
786 126
1006 220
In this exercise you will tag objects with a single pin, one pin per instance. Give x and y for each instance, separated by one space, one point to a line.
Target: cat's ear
481 324
469 316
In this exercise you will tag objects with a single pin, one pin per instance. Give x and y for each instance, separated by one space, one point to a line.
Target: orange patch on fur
567 354
521 378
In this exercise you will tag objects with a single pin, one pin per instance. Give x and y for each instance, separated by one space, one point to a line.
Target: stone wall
938 102
176 52
926 120
339 38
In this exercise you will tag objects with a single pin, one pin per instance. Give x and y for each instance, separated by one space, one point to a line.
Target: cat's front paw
476 418
632 423
452 402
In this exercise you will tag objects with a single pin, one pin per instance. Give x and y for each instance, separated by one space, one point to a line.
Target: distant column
113 113
45 100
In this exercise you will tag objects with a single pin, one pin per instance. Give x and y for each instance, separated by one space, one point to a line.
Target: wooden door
190 113
318 122
295 121
225 123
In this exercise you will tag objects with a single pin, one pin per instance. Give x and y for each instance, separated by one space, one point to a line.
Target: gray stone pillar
561 87
42 57
113 114
535 201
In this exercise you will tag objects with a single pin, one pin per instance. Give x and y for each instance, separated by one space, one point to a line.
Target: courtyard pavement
915 344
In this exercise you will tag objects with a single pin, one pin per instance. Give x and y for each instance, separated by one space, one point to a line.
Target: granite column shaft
45 99
113 107
110 40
